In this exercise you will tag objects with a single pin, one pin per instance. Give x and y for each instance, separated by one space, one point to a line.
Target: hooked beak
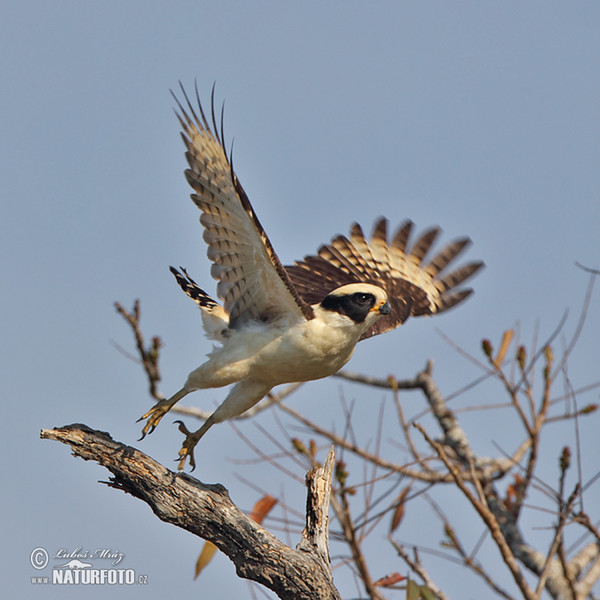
384 308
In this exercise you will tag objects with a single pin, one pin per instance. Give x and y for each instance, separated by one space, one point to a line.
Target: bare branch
588 269
454 435
488 518
418 568
468 559
342 510
315 537
207 511
149 356
579 328
389 383
341 441
556 542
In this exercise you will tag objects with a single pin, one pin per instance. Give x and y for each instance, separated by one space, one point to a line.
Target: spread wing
252 282
414 286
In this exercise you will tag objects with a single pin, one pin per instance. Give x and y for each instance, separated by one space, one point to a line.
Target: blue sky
481 117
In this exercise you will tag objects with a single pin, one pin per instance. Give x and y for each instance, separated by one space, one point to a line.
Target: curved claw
154 415
191 439
187 449
182 428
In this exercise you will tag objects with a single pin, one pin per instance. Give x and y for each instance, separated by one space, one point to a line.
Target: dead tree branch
208 512
148 355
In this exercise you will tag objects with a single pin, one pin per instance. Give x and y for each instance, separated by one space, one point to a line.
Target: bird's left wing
252 282
414 286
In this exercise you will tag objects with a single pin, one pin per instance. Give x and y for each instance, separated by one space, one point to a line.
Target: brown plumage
413 289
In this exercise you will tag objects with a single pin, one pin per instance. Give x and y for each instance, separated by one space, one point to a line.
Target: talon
154 415
187 448
182 428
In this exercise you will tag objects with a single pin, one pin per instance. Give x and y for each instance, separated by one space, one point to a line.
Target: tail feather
214 317
192 289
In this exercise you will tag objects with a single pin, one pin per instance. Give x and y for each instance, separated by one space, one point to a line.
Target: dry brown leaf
208 551
399 510
312 448
504 345
389 580
513 491
259 512
262 508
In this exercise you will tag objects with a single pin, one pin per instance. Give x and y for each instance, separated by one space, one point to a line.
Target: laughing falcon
282 324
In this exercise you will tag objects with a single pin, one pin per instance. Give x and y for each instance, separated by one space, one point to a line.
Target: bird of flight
282 324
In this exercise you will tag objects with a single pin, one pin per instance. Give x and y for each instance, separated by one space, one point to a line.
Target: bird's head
361 303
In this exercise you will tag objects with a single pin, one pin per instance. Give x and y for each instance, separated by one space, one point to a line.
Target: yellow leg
191 439
159 410
242 396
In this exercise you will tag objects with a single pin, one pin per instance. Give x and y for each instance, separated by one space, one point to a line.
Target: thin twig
562 519
486 514
149 356
349 530
417 567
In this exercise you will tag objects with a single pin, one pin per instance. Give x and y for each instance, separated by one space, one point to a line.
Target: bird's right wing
252 282
414 285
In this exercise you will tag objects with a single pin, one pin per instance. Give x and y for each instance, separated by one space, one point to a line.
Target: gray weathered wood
207 511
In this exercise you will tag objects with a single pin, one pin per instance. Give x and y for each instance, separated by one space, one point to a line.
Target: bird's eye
363 298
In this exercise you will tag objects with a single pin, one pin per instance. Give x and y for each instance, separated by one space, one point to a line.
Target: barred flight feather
244 261
413 287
